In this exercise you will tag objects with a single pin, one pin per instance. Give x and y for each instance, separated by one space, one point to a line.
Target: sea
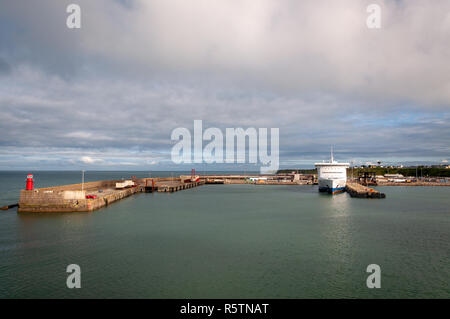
227 241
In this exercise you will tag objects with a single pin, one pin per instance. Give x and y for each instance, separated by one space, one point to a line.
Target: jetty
259 179
175 186
87 197
90 196
361 191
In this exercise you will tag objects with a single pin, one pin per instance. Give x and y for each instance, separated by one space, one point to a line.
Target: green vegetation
405 171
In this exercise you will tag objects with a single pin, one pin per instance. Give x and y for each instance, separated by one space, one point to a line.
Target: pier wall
40 201
70 198
89 186
360 191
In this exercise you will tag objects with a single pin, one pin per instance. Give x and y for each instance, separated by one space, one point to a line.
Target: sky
108 95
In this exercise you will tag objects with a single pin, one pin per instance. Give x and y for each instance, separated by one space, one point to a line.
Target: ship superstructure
332 176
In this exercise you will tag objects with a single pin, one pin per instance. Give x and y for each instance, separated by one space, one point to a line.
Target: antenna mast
332 158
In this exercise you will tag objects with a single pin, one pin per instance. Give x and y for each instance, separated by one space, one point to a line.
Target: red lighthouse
29 182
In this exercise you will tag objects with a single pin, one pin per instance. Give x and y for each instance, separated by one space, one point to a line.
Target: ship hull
331 186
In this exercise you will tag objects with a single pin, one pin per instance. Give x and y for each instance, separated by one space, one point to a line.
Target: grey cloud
104 118
4 67
289 45
115 89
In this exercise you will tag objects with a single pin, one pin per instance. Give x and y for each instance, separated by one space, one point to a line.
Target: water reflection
233 241
338 235
38 229
340 204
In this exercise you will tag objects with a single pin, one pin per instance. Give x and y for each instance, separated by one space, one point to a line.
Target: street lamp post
82 180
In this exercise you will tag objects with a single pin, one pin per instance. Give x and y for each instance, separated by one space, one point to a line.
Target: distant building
255 179
390 176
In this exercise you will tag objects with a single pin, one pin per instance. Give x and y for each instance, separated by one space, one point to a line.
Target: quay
361 191
174 186
87 197
91 196
413 184
279 179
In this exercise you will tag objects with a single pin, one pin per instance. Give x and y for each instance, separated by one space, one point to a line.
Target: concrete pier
93 195
72 198
360 191
175 186
296 179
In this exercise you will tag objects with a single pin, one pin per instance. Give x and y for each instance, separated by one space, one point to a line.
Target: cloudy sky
108 95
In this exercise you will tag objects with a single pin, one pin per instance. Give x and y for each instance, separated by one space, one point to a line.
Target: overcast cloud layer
108 95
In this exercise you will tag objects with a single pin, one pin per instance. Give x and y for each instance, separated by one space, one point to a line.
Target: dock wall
360 191
36 201
70 198
89 186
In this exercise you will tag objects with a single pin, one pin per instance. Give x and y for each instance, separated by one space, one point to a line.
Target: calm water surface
228 241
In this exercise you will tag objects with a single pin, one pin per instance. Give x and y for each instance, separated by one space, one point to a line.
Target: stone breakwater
360 191
90 196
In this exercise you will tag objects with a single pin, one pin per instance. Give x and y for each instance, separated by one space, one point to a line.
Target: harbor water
228 241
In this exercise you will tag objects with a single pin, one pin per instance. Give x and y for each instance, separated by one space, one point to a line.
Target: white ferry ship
332 176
